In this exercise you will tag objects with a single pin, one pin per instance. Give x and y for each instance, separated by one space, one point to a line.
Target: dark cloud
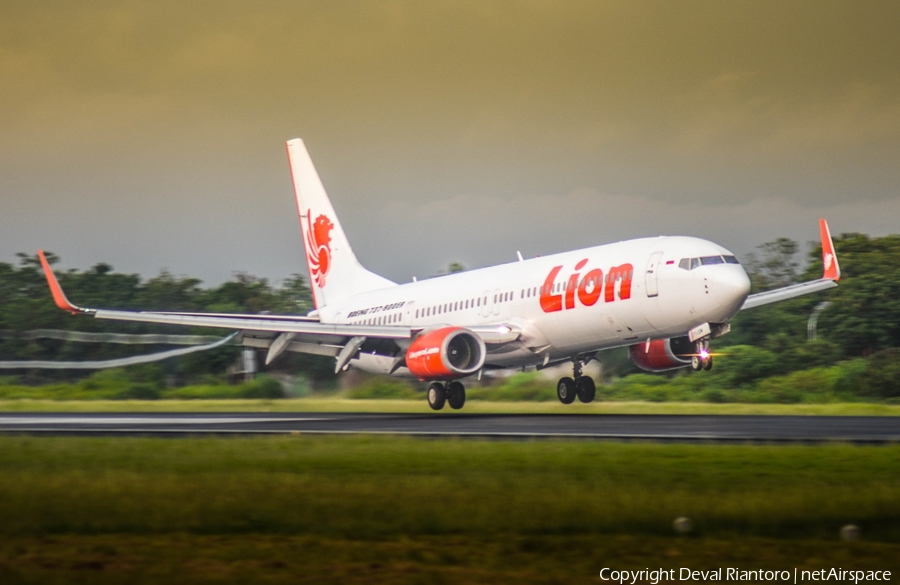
151 134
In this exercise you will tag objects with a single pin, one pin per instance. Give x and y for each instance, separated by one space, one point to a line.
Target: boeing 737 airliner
664 298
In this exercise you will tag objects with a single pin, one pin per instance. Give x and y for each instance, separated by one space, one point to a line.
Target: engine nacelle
662 354
445 354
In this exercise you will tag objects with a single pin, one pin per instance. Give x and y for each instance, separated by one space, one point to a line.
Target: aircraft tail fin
334 271
830 267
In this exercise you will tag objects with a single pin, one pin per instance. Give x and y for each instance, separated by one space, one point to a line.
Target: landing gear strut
453 394
582 386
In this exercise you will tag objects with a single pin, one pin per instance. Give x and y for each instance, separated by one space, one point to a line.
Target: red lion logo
318 247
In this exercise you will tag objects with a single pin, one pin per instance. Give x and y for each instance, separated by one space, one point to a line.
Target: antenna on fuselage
519 254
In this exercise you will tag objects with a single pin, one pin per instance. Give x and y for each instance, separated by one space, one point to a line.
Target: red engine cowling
445 354
662 354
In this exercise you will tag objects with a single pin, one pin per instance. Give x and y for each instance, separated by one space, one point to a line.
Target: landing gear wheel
436 395
585 389
456 395
707 363
696 364
565 390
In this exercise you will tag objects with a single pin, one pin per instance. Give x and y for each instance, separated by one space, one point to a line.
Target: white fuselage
565 304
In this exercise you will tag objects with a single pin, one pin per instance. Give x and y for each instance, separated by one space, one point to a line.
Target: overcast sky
150 135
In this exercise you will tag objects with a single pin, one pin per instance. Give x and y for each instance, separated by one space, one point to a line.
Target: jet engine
445 354
660 355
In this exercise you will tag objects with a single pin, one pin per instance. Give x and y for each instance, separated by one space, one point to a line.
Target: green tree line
855 354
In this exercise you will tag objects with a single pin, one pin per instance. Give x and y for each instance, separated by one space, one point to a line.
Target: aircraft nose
730 285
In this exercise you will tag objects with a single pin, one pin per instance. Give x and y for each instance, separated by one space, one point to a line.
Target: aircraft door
410 312
653 274
495 306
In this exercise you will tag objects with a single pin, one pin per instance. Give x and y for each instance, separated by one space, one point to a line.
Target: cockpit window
707 260
691 263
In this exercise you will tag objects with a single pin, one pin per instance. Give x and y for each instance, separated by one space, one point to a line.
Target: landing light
503 329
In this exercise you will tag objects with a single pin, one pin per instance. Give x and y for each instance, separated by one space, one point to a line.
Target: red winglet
58 295
829 259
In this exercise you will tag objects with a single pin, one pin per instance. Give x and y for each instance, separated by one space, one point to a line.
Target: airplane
664 298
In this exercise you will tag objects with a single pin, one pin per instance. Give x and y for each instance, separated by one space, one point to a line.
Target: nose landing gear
582 387
702 359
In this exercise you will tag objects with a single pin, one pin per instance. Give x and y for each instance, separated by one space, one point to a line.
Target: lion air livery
664 298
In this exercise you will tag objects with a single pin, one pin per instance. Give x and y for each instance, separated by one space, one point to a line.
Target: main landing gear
582 386
453 394
702 359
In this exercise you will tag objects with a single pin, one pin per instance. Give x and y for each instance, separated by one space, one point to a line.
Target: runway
665 428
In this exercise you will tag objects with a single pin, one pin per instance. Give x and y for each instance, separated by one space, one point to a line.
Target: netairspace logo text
655 576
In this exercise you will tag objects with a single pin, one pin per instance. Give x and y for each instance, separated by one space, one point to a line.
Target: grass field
395 510
339 404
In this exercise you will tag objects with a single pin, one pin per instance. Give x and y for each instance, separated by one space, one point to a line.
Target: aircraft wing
831 273
276 332
270 323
